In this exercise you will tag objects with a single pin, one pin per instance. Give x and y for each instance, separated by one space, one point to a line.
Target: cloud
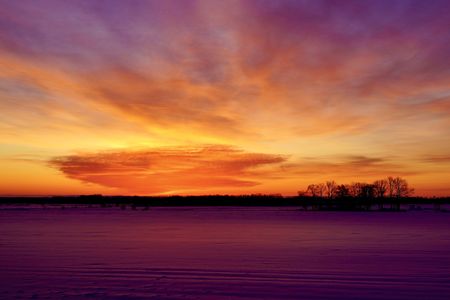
353 166
174 103
436 159
227 72
298 77
165 170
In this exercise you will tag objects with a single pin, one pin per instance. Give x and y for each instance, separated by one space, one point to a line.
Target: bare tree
401 188
380 188
355 189
367 191
320 189
312 189
391 186
316 190
330 188
342 191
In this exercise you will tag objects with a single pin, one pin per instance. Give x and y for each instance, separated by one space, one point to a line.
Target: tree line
392 187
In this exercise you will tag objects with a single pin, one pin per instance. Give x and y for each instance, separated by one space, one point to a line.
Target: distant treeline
304 202
389 193
205 200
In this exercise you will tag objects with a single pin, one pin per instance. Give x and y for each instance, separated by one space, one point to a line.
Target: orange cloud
182 169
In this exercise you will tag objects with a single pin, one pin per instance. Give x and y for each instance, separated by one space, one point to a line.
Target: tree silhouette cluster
392 187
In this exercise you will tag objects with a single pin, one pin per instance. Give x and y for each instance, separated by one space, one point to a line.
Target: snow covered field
222 253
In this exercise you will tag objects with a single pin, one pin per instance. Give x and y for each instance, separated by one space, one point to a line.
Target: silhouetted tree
367 191
355 189
316 190
342 191
380 188
391 186
312 189
321 189
398 187
330 188
401 188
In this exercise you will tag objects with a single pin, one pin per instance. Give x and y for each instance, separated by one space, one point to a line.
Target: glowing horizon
230 97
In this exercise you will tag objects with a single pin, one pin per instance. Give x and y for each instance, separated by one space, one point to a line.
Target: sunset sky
201 97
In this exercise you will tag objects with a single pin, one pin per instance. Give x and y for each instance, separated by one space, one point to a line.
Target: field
222 253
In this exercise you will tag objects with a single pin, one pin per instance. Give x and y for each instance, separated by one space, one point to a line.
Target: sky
230 97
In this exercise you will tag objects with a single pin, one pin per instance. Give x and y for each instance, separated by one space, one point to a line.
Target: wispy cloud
350 166
220 72
436 159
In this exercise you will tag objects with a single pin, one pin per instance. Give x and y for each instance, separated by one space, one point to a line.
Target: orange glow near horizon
203 97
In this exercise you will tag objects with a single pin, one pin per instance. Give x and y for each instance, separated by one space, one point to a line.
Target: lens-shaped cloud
181 169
